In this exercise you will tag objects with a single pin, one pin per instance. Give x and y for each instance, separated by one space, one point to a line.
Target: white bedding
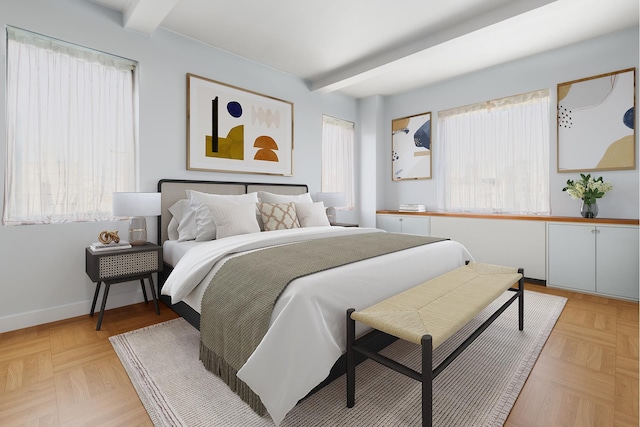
307 332
173 250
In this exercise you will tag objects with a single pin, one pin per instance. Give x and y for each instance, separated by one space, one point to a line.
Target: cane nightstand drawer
121 264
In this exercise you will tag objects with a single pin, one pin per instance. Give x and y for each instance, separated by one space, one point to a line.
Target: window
337 158
494 157
70 130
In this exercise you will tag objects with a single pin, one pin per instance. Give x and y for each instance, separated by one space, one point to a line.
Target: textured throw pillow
183 214
278 216
201 204
232 220
267 197
312 214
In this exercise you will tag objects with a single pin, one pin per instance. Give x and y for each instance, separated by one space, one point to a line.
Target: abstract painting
596 123
411 147
230 129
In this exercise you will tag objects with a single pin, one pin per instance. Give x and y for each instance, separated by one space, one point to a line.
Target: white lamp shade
332 199
136 204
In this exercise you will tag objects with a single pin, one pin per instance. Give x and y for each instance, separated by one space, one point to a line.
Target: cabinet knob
595 231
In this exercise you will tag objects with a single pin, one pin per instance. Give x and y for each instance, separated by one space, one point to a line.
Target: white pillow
201 204
182 212
279 216
231 220
267 197
312 214
172 230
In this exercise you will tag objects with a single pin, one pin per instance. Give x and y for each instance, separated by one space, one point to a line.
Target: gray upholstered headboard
173 190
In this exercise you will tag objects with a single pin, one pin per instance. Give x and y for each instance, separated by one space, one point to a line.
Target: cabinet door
571 257
416 225
390 223
617 265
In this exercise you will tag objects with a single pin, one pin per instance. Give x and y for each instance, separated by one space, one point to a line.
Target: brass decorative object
107 237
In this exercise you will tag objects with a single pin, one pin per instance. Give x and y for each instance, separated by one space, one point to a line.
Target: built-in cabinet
601 259
513 243
407 224
598 256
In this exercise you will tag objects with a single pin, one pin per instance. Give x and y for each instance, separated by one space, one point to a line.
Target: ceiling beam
374 65
145 16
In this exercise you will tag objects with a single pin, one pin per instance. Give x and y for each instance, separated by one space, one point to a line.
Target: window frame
337 153
76 183
508 168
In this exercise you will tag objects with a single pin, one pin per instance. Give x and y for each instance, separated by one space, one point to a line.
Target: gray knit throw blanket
237 305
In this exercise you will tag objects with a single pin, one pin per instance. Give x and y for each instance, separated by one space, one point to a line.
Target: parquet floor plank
587 373
34 404
66 373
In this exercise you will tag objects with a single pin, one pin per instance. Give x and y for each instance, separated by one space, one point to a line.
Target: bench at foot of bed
431 312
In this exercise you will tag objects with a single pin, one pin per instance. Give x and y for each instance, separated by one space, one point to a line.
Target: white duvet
307 331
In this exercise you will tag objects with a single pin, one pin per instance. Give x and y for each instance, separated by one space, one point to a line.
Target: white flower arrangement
587 188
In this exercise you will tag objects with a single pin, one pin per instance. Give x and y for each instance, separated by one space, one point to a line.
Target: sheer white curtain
70 130
337 158
494 157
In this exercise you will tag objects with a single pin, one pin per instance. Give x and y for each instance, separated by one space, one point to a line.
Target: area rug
478 389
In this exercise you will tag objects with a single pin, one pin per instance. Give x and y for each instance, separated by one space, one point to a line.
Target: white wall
42 266
605 54
370 131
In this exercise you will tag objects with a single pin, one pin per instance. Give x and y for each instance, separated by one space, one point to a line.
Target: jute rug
478 389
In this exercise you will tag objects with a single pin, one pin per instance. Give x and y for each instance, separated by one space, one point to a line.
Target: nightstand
123 265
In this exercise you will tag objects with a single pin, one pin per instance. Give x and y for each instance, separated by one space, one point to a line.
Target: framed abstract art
596 123
411 147
230 129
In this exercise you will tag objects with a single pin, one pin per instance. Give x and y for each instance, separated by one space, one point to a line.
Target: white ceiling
380 47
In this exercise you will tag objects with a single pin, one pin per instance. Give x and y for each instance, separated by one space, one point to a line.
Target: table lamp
137 206
331 201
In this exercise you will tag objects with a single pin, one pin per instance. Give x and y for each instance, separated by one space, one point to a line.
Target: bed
305 337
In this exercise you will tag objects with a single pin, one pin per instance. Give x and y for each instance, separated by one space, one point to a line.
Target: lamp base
138 231
331 214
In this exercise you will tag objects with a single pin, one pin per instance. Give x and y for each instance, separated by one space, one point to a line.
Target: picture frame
596 123
411 147
230 129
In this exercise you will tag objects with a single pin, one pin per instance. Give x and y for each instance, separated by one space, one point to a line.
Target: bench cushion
440 306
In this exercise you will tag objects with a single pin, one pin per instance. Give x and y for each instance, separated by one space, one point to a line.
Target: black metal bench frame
428 373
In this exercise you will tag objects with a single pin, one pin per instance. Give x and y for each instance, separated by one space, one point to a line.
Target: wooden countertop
547 218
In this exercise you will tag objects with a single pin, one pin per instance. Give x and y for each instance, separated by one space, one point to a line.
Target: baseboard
61 312
540 282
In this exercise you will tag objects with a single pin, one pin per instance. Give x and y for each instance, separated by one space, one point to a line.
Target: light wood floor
66 373
587 373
